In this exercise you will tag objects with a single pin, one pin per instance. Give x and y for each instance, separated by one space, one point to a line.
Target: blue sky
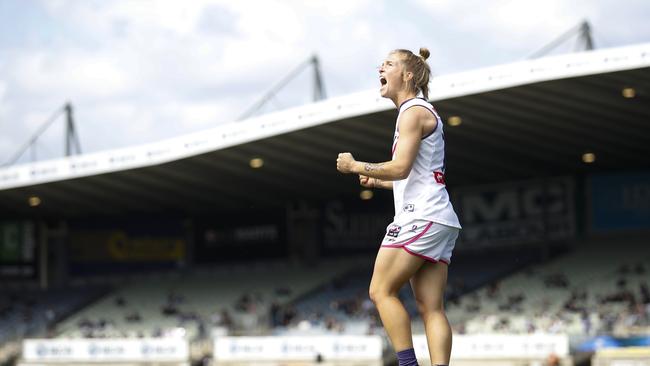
138 71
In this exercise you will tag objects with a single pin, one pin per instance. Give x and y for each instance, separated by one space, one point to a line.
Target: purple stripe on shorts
424 256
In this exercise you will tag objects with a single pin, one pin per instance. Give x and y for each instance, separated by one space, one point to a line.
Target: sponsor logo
393 231
44 350
105 350
518 213
154 350
349 348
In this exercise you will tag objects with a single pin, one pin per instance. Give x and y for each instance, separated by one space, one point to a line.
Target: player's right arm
370 182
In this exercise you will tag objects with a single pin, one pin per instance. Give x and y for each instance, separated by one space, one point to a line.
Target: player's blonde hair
419 67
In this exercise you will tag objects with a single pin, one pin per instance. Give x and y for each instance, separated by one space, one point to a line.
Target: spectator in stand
288 315
493 290
645 293
133 317
120 301
275 315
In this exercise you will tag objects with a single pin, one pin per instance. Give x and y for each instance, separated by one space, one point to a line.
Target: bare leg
393 267
429 287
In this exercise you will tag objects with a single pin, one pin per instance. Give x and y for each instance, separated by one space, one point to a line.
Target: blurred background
168 191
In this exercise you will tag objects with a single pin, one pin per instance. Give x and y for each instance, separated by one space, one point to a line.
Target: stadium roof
534 118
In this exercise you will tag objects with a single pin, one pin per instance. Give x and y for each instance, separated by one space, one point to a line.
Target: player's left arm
410 135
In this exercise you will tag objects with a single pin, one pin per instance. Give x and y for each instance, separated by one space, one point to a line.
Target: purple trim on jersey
399 245
434 129
408 100
423 106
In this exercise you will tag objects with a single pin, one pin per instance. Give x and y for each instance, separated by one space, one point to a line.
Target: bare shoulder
417 117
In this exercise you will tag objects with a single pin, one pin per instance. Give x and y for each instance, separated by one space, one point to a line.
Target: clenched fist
345 162
366 181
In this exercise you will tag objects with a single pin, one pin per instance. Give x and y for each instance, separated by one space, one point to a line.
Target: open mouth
382 80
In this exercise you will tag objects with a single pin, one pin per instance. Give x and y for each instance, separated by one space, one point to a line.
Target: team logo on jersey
409 207
393 231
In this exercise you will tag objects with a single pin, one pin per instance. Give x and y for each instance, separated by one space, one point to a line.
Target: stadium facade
547 154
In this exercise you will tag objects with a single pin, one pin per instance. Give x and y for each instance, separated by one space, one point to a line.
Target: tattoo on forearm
369 167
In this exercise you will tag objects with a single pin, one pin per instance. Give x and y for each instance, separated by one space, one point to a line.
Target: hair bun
424 53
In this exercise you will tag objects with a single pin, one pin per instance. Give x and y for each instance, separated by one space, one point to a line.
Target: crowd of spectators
250 313
32 312
572 308
563 306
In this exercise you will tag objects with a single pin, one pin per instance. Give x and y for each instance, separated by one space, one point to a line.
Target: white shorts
425 239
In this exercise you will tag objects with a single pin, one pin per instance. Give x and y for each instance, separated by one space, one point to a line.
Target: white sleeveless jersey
422 195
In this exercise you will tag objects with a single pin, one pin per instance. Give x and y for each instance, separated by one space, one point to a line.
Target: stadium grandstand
241 245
